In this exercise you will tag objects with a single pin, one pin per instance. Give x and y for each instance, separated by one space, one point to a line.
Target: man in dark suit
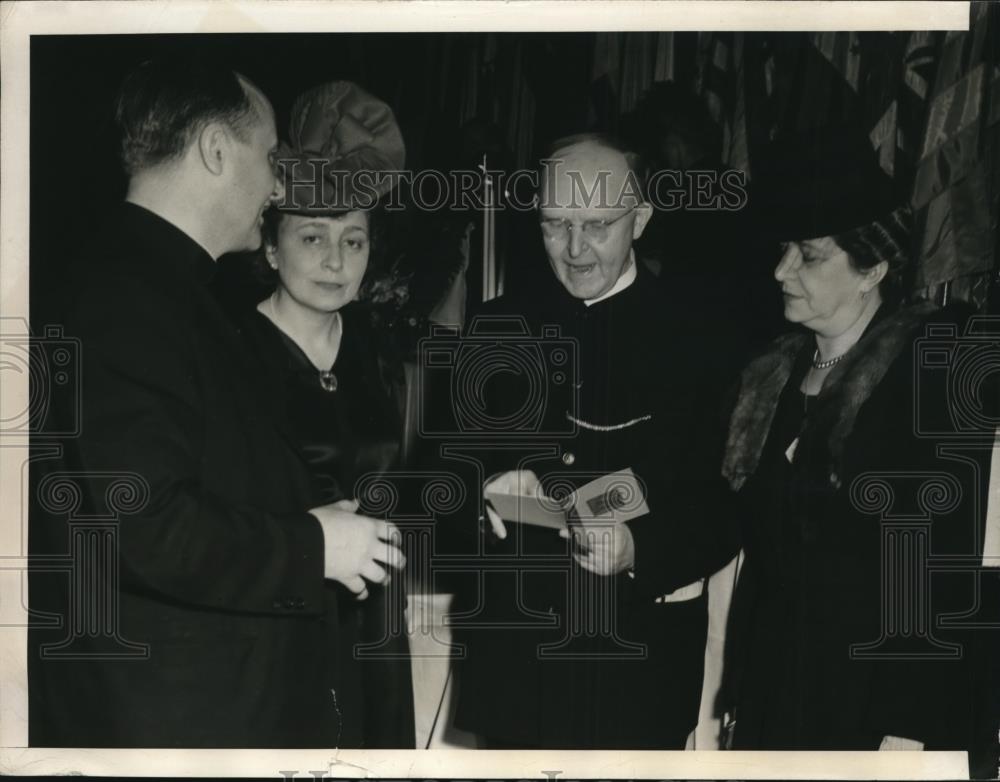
201 609
595 638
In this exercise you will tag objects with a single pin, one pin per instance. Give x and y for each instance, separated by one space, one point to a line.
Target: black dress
823 657
772 583
349 434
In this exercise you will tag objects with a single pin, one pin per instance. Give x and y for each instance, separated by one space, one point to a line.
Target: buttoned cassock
557 657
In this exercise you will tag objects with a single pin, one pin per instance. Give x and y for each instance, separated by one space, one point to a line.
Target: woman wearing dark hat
331 378
824 654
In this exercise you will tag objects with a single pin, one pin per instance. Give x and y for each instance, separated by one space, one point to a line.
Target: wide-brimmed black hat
817 183
342 143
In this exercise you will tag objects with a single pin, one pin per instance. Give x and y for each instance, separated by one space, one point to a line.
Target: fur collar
846 389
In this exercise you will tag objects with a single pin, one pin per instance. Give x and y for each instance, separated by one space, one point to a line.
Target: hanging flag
953 185
520 111
605 76
469 100
737 152
842 51
638 68
715 80
663 70
950 148
489 100
883 138
920 60
958 238
722 84
919 65
823 80
896 69
607 57
443 72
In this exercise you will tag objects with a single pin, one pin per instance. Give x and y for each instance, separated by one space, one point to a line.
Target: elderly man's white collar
627 278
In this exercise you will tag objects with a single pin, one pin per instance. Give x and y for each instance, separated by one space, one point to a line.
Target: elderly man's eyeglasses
594 230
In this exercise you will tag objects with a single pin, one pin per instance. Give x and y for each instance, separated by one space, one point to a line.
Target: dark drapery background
930 99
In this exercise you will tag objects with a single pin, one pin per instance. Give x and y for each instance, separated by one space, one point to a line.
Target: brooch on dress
327 380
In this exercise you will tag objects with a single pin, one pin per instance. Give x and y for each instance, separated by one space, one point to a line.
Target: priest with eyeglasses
590 634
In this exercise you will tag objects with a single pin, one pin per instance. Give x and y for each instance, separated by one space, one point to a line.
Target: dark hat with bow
818 182
343 142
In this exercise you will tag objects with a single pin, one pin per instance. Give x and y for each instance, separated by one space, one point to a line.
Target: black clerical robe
212 589
556 657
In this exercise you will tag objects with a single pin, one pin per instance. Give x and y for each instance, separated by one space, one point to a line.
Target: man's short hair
163 103
635 162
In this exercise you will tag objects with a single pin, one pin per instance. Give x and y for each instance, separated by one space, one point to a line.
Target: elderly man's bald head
590 170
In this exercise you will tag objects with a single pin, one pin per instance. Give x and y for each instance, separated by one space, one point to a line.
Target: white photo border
20 20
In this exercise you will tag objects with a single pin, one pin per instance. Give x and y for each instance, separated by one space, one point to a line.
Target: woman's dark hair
886 239
163 103
272 223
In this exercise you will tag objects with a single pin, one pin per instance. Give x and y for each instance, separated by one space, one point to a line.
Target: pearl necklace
817 364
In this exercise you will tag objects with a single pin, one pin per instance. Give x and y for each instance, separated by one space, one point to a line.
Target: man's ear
213 146
643 213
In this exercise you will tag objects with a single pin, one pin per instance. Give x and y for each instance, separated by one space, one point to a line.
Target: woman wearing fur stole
839 638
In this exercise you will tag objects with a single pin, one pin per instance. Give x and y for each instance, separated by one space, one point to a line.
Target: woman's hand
520 482
898 743
357 547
